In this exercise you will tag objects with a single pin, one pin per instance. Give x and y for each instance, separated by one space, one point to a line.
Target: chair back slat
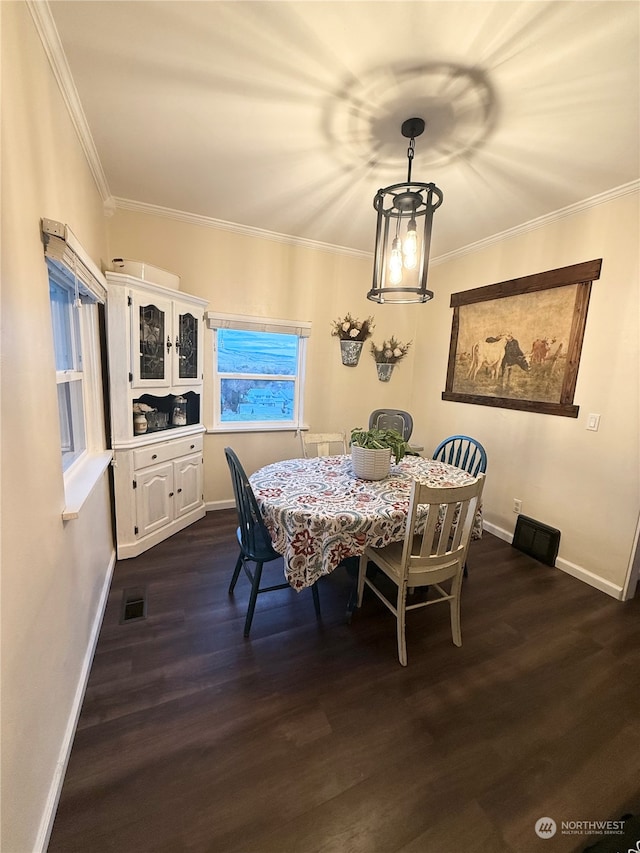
254 536
464 452
323 443
447 532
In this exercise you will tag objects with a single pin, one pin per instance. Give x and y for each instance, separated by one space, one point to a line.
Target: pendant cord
410 153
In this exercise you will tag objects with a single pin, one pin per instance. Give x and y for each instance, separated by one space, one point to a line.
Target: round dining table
318 512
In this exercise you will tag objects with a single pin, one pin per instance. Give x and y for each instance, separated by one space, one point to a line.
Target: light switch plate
593 422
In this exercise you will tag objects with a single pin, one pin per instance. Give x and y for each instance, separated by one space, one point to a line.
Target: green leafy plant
379 439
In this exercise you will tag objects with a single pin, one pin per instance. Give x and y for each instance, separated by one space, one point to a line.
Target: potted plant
387 355
371 451
352 333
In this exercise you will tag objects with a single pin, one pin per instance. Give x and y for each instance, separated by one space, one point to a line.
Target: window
76 286
67 341
258 372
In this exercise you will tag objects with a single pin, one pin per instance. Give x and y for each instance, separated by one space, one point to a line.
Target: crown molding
247 230
533 224
45 25
525 227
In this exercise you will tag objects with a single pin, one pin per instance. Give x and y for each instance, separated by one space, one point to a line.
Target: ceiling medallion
457 103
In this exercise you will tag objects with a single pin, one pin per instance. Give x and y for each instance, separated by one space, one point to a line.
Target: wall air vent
536 539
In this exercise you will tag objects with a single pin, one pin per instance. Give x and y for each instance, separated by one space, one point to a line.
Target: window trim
302 329
67 261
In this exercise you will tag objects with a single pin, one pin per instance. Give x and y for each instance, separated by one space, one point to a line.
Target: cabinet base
139 546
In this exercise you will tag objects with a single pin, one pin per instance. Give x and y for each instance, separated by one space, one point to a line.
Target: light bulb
410 246
395 262
410 261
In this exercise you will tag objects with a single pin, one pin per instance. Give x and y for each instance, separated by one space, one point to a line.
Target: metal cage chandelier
401 256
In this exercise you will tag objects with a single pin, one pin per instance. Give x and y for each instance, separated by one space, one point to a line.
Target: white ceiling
286 116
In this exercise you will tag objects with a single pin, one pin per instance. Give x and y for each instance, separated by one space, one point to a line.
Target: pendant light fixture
403 233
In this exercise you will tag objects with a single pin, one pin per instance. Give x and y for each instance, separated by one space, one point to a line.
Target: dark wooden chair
254 540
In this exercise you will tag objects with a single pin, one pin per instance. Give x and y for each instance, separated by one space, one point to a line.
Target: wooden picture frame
517 344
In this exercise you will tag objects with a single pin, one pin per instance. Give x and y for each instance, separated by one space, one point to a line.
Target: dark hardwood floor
309 737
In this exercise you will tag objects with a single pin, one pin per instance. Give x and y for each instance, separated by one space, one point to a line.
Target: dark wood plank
577 273
309 737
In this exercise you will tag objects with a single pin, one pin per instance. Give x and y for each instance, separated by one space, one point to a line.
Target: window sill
82 481
248 426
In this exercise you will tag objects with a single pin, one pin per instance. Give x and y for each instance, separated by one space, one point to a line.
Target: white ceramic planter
370 464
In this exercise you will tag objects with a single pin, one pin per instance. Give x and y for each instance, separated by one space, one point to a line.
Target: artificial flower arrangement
350 329
391 351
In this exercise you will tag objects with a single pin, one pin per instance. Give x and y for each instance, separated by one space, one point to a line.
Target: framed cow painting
517 344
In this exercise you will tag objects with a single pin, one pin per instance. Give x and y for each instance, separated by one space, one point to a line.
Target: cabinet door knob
170 494
192 446
179 490
168 343
177 342
155 456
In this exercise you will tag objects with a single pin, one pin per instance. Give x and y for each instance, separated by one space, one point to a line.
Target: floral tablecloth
318 512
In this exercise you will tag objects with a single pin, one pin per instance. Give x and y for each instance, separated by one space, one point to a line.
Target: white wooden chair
323 444
429 558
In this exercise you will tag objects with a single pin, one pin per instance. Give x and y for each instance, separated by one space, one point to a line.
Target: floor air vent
134 604
536 539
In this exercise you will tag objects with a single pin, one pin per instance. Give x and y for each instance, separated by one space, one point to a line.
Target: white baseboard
212 506
585 575
578 572
500 532
48 817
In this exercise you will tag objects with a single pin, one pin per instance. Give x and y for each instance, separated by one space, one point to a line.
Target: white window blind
62 249
217 320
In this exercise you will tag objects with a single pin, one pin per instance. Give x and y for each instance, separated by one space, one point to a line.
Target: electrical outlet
517 505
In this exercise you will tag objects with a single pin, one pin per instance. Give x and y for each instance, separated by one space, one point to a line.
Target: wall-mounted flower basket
388 355
352 333
384 372
350 351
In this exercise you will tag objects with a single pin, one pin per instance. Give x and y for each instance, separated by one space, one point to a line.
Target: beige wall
584 483
565 476
241 274
52 573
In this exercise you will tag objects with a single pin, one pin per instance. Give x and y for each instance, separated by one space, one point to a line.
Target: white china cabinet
155 353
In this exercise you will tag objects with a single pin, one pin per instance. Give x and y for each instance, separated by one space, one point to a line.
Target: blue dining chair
463 452
254 540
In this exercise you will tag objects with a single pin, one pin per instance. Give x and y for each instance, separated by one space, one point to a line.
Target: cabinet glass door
187 360
187 346
151 342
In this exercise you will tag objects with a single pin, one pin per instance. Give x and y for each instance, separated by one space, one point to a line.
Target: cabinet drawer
156 453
